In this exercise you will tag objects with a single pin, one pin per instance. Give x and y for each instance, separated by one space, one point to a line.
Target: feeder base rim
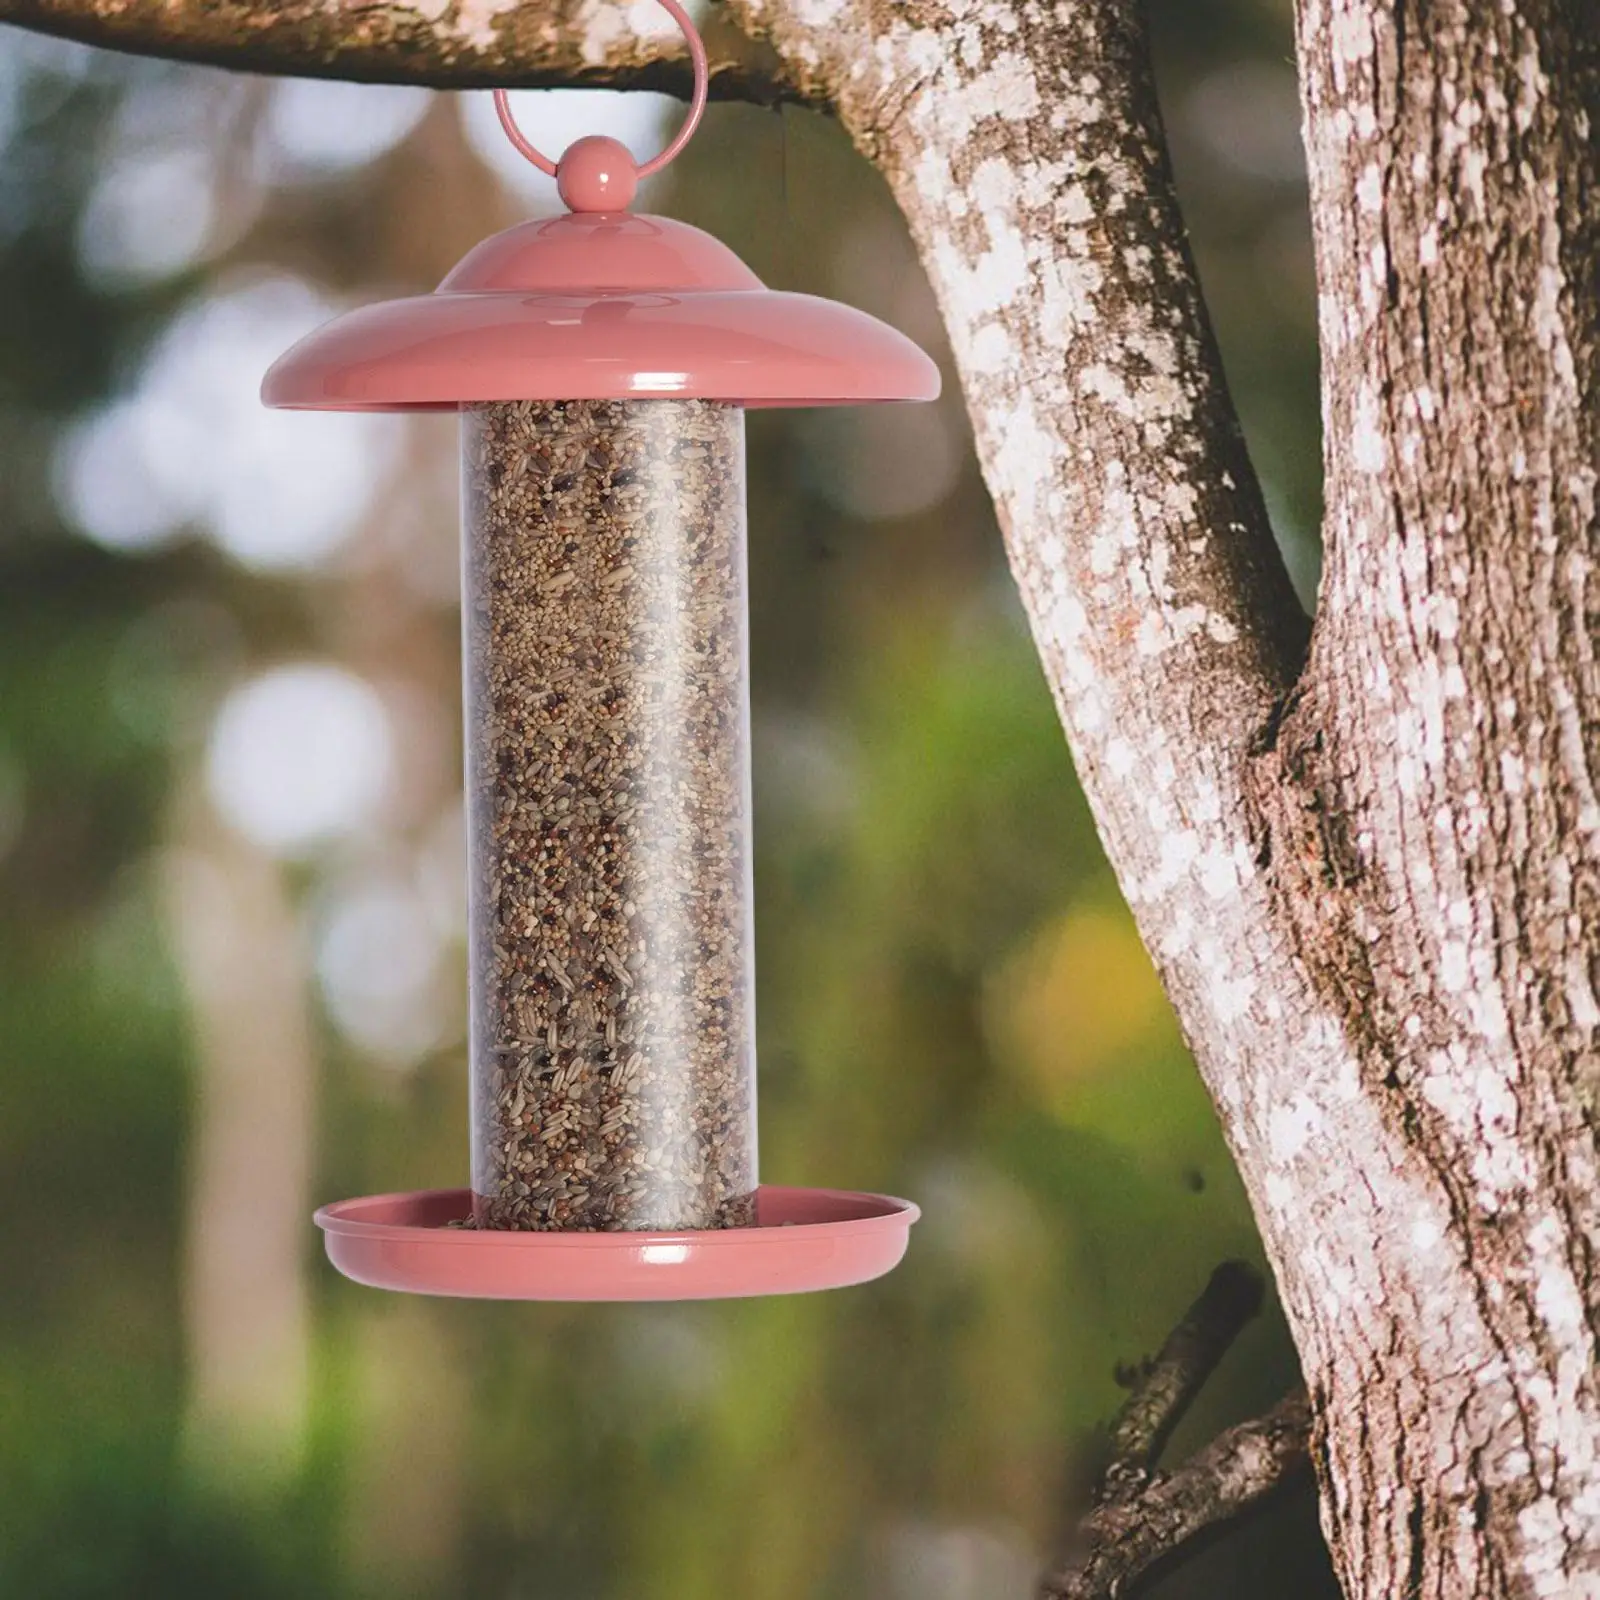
804 1239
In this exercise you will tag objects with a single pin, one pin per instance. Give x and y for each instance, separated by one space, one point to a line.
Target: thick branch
1025 147
1128 1538
566 44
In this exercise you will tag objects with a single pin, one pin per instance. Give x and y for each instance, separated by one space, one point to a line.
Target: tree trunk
1370 876
1378 914
1430 793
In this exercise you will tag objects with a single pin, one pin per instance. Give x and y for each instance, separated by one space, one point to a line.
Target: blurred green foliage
953 1003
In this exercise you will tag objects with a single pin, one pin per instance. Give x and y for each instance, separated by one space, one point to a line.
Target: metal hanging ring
697 105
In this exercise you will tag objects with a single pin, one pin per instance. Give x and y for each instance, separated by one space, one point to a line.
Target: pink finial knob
597 174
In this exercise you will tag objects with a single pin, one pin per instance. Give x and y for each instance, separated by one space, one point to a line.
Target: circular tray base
803 1239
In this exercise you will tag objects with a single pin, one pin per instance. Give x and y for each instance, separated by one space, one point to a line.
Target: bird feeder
602 363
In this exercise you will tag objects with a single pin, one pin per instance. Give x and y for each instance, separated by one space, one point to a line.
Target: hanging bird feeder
601 363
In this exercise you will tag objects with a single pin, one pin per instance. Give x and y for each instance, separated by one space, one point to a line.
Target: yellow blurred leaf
1077 998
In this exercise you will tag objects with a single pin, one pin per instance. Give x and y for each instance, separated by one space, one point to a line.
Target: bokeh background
231 966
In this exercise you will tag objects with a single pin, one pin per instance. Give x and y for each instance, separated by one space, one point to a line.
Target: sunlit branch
570 44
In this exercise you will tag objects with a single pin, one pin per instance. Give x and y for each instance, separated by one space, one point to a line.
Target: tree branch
1142 1520
1128 1539
1168 1384
1026 150
566 44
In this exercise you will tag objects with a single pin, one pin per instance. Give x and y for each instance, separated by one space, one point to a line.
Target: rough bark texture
1372 890
1432 823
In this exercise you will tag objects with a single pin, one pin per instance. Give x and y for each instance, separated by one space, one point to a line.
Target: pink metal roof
600 306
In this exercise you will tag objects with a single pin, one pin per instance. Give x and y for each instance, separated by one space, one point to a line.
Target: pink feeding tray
805 1239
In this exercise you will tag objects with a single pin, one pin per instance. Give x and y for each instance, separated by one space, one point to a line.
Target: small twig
1167 1387
1126 1538
1142 1518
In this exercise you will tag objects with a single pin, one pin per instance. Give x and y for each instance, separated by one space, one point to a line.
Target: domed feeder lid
600 304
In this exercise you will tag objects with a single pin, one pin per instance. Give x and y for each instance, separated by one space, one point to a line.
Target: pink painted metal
697 105
805 1239
597 174
600 306
593 256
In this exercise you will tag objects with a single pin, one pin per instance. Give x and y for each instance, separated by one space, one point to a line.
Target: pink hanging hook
596 177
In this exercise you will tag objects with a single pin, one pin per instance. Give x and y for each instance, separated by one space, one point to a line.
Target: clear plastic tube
608 784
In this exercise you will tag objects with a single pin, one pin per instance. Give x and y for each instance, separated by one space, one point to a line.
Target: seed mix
608 798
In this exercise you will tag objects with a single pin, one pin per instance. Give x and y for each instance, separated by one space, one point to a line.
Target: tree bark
1370 877
446 44
1430 794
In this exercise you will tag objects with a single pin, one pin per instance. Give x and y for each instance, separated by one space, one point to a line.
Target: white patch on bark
473 22
607 26
1369 449
1291 1128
